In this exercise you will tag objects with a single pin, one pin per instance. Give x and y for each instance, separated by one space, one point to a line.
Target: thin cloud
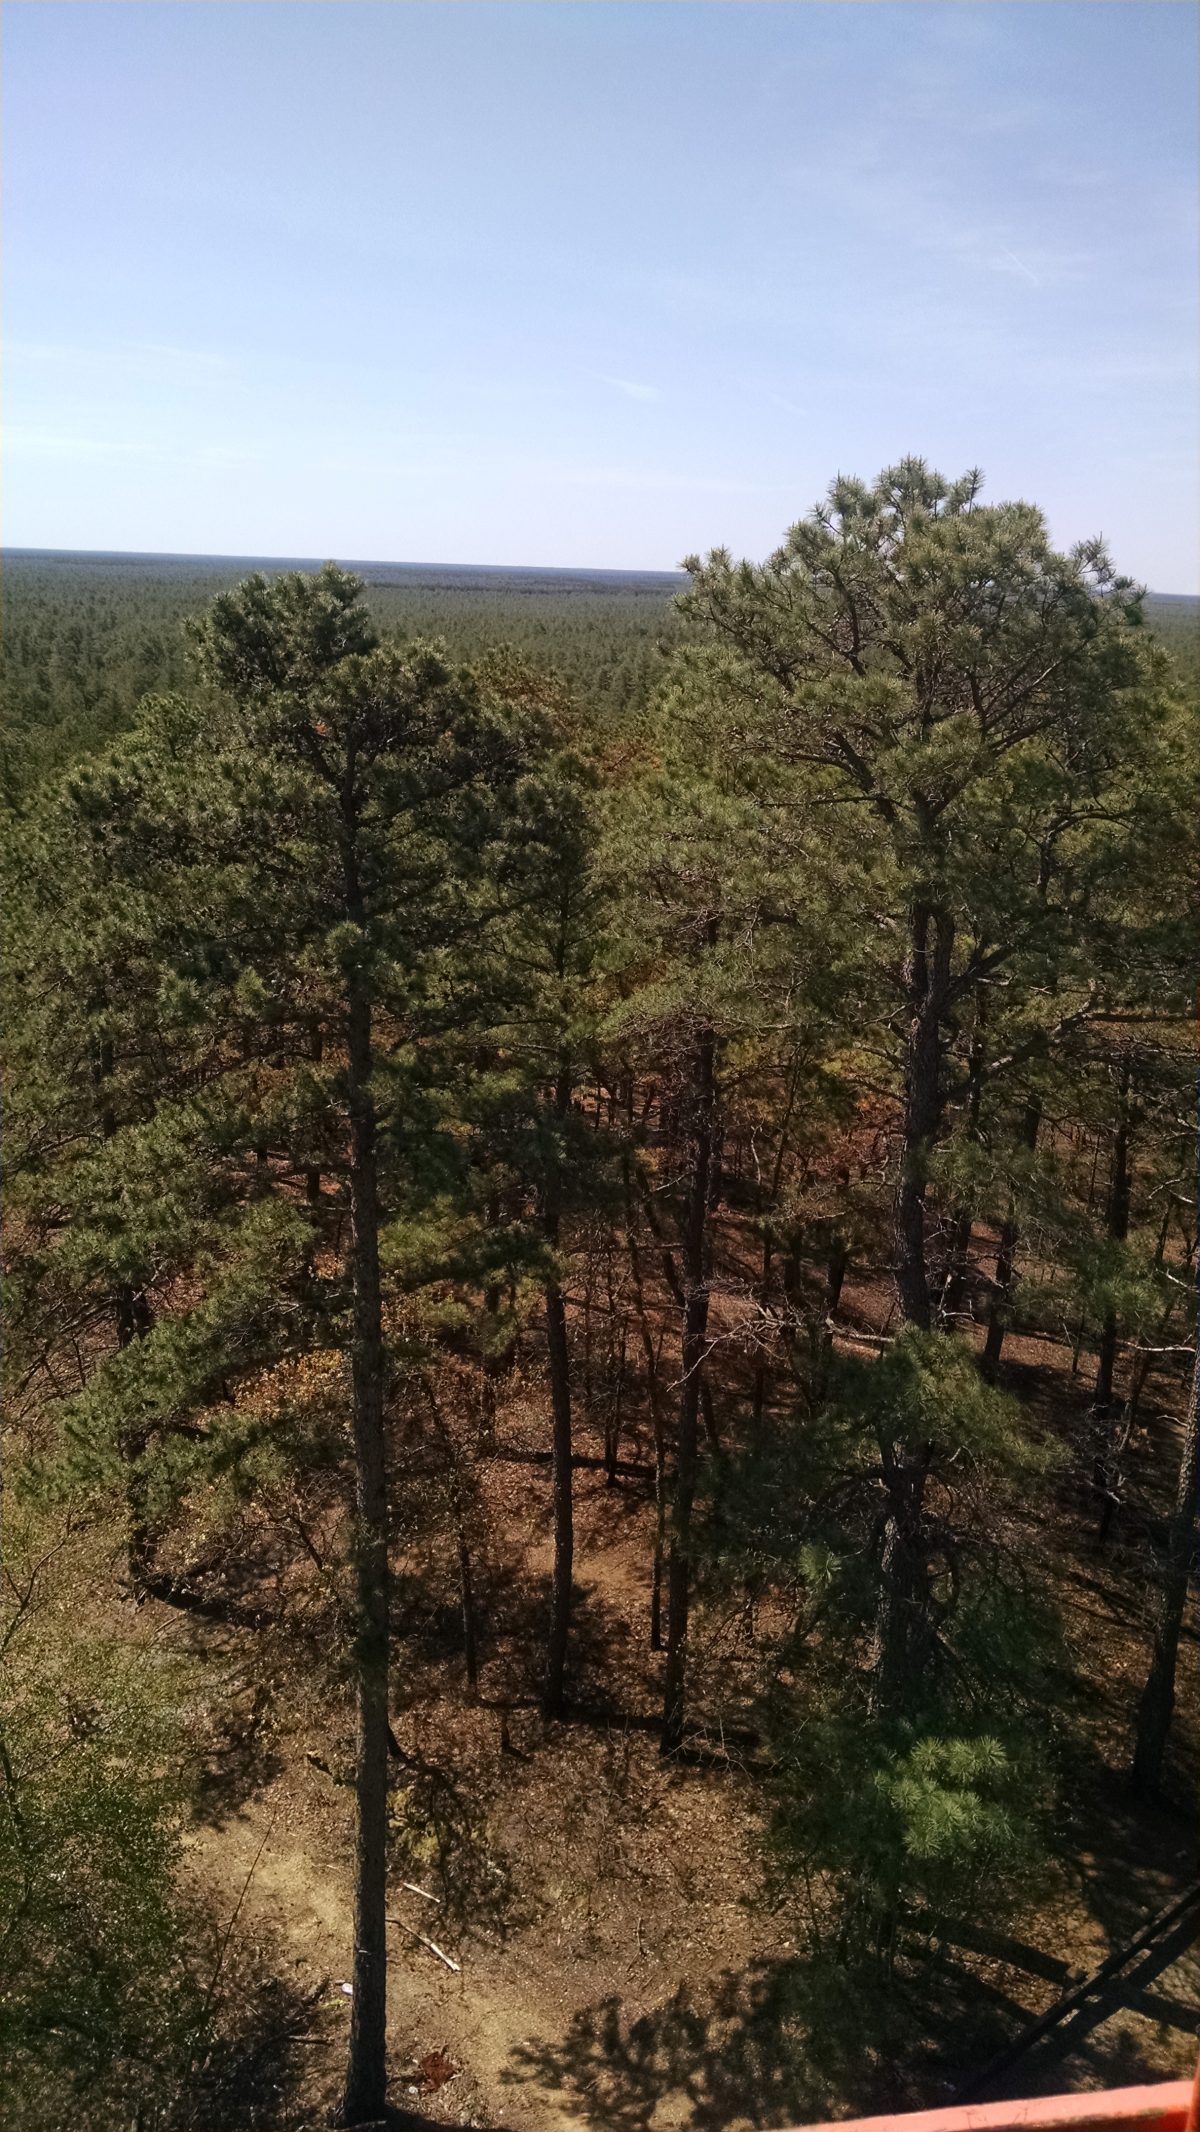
30 443
1019 266
143 357
629 386
922 209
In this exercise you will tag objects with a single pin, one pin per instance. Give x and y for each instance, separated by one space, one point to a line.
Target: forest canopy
582 1157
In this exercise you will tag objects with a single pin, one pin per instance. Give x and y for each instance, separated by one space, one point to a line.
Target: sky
593 283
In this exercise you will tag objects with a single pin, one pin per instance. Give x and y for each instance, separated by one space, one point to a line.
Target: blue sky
592 284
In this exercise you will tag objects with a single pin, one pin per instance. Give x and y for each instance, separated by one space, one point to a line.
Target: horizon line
383 562
365 562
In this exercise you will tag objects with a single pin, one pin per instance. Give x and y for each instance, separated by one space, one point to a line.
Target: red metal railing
1164 2106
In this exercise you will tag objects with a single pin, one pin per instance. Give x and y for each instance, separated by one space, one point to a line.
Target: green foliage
918 768
879 1816
880 1825
927 1387
100 1958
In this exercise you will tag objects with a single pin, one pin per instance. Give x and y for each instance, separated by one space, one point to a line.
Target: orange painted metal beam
1163 2106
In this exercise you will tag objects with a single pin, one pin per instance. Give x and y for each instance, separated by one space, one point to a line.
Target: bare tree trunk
772 1201
133 1320
927 977
671 1277
999 1309
656 1413
764 1297
702 1126
616 1391
1117 1229
553 1692
1158 1696
312 1174
612 1430
660 1533
365 2095
589 1275
835 1274
466 1579
902 1574
960 1238
1143 1360
1104 1403
492 1363
554 1685
836 1268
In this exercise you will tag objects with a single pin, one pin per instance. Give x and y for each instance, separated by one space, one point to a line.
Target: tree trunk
312 1173
365 2096
999 1309
695 1326
492 1362
957 1259
612 1427
660 1532
927 977
1104 1403
902 1575
671 1277
836 1266
553 1692
767 1211
615 1390
133 1320
958 1255
764 1299
1143 1361
656 1414
554 1686
1158 1695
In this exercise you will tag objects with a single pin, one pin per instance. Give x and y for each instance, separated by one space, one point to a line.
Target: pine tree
385 769
978 701
542 971
975 697
324 839
715 954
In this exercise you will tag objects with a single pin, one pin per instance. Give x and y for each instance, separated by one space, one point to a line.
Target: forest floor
603 1952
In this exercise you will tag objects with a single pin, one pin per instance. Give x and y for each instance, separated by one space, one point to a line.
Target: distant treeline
88 636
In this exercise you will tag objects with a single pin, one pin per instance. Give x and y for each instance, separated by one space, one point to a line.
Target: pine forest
601 1416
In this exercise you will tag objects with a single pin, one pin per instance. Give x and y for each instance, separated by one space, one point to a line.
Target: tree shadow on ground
1154 1839
615 2069
800 2039
247 2066
606 1648
241 1760
1086 2045
779 2042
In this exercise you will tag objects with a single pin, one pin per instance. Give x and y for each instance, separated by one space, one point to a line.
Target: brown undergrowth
600 1949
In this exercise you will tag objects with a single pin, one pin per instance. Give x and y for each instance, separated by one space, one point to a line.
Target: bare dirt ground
616 1966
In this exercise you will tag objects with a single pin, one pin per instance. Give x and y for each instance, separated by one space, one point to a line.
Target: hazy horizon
347 562
385 562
